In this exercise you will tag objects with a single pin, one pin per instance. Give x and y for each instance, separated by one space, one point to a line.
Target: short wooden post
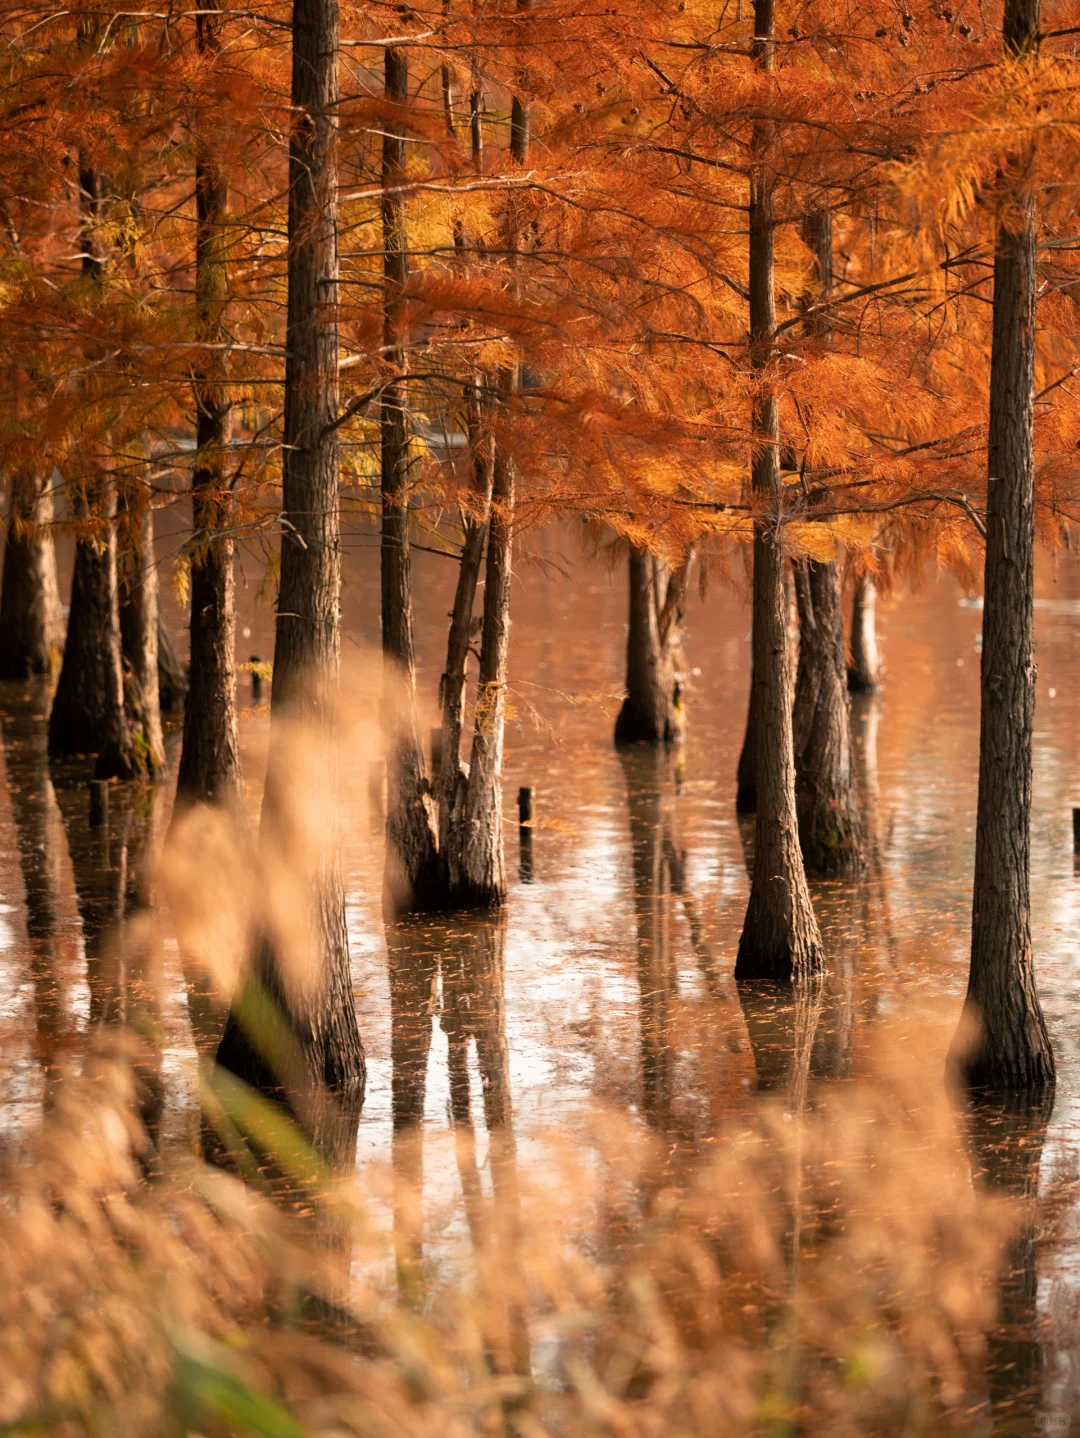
1076 830
436 751
99 803
525 834
256 680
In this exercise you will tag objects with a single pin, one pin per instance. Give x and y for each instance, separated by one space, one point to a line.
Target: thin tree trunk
412 867
780 938
31 628
210 756
452 778
483 869
88 715
830 830
652 711
1010 1048
320 1050
864 671
139 635
483 873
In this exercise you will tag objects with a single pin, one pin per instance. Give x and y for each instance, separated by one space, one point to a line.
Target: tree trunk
452 778
864 671
829 827
746 776
138 601
88 715
780 939
320 1051
483 873
412 865
172 681
210 757
31 629
1010 1049
652 712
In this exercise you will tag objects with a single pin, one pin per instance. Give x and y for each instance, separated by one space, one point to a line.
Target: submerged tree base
1013 1056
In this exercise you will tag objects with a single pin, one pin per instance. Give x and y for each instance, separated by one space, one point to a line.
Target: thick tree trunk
210 758
864 671
452 778
826 802
1011 1048
88 715
138 600
31 628
652 712
321 1053
412 864
780 938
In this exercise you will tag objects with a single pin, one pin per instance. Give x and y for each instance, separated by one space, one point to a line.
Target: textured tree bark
31 628
780 939
210 757
483 871
319 1054
412 863
452 778
1011 1048
830 830
652 711
864 671
138 601
88 715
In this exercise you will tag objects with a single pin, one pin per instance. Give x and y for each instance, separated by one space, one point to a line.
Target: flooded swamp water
605 986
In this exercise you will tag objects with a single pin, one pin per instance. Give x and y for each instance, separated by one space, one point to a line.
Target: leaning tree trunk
830 830
31 629
780 938
138 599
1010 1048
412 862
210 756
864 670
652 711
320 1051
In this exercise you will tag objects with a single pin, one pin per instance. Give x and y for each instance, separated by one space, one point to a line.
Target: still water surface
608 977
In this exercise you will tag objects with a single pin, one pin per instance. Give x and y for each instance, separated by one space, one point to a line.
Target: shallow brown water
608 977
